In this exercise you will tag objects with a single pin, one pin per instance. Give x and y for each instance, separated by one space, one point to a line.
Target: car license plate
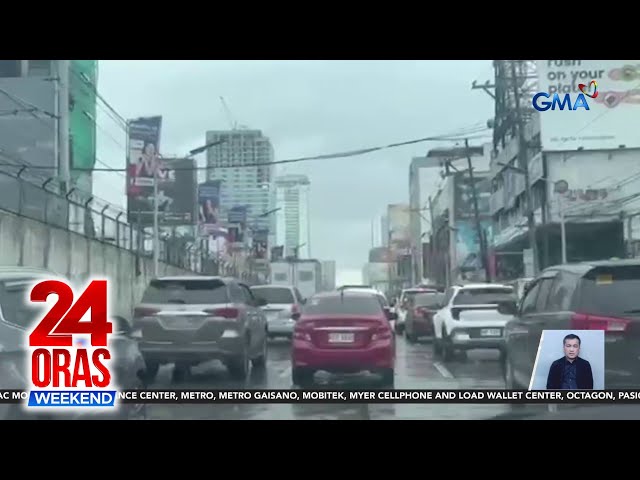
178 323
341 337
490 332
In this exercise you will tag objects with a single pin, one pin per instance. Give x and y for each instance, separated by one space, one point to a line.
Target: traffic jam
201 332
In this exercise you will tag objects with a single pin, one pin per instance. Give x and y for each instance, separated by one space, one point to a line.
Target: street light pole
156 227
476 213
563 231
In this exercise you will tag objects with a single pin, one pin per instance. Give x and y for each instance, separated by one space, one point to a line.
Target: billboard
83 114
260 244
176 194
468 257
399 220
463 195
237 214
612 115
209 206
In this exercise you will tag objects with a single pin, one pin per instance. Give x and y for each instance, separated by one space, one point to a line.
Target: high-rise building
243 162
384 231
292 218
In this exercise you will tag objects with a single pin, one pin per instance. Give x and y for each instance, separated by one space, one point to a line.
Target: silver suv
189 320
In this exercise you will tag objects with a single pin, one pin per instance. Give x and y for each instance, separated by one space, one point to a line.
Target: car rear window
186 291
428 299
343 305
274 294
611 291
15 307
484 296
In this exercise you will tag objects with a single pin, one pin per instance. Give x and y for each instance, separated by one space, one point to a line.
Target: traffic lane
416 368
214 375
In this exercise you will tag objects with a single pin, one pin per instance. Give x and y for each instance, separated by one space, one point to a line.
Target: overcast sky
305 108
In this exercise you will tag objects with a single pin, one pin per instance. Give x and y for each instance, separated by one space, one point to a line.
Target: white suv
472 317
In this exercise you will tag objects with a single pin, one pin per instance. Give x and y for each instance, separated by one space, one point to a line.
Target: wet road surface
416 368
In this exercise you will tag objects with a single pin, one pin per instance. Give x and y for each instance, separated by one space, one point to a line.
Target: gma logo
541 102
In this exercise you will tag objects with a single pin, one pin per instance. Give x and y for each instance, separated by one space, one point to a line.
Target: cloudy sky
305 108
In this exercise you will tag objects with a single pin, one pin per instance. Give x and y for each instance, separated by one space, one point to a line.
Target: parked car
404 304
421 308
472 316
601 295
282 308
187 320
17 318
519 285
343 332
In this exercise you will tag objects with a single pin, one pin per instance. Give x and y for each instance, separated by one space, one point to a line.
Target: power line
345 154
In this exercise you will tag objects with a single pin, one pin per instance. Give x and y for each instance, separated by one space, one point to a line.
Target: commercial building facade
292 215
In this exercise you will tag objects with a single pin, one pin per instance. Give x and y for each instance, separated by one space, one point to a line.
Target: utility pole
156 227
523 154
476 214
432 240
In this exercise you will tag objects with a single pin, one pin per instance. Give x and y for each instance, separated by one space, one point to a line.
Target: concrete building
599 207
243 163
384 231
292 217
424 178
328 275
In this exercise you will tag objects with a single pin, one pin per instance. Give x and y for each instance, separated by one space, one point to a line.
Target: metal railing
42 198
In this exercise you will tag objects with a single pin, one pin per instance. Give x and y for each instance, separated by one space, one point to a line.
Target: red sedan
343 332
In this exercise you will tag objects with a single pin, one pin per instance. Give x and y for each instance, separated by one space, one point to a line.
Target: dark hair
146 144
572 336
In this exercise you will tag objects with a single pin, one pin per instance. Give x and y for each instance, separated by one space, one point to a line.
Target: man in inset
570 372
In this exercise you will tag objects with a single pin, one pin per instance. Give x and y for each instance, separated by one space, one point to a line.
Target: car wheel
410 336
239 367
302 377
510 382
388 378
261 360
180 372
151 372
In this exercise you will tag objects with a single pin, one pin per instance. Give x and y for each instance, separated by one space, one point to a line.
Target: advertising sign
468 257
399 222
237 214
607 94
208 206
260 243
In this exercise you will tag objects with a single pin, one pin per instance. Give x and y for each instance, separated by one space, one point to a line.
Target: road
416 368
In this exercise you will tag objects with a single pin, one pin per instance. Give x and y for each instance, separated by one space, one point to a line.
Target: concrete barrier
26 242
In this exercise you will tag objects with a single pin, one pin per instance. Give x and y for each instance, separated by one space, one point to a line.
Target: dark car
601 295
420 311
189 320
16 319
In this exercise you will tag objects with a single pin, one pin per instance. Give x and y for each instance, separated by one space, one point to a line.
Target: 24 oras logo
64 373
590 90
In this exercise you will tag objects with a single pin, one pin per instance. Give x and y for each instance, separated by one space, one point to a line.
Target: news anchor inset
570 372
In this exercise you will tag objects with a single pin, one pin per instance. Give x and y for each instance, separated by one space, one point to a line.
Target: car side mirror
261 302
303 301
295 316
392 304
121 326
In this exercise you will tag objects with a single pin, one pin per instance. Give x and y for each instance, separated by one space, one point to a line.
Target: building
292 215
384 231
424 178
582 168
328 275
243 162
455 252
30 136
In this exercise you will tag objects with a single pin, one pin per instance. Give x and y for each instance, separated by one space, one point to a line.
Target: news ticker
108 398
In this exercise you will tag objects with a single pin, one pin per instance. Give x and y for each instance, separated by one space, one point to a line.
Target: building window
10 68
39 68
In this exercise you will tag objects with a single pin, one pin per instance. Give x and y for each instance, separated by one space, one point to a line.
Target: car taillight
584 321
226 312
382 334
140 312
301 335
